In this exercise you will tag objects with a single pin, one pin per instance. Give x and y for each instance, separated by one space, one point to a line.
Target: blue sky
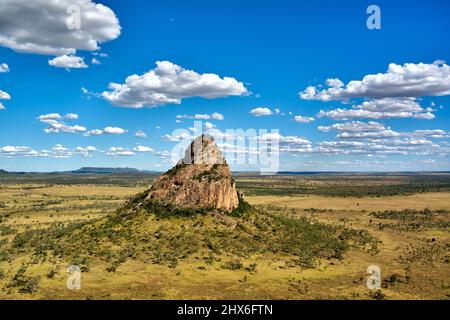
270 52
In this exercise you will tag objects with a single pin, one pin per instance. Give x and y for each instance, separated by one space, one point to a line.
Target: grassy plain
407 235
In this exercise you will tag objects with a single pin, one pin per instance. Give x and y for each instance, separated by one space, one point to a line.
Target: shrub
26 284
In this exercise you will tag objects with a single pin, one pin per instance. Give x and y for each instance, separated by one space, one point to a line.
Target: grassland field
400 223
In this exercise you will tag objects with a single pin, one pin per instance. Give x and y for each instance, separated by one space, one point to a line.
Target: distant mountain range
89 170
97 170
106 170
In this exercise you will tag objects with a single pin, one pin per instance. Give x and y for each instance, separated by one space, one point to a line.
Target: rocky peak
203 150
201 180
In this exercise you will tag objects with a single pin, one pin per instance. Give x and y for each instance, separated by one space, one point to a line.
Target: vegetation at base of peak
146 237
158 208
243 208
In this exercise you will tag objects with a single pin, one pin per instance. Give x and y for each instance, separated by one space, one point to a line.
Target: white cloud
95 132
96 61
302 119
214 116
140 134
107 130
261 111
366 135
57 151
114 130
177 137
290 144
169 83
68 62
217 116
119 151
409 80
50 116
71 116
433 133
163 154
4 68
354 126
56 123
140 148
51 35
15 151
56 127
4 96
100 54
208 125
85 151
381 109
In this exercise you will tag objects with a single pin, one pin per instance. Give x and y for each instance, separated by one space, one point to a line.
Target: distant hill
3 172
97 170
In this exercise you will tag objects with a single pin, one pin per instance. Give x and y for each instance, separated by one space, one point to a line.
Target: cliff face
202 179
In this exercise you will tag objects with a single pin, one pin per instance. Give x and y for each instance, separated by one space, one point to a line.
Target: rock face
201 180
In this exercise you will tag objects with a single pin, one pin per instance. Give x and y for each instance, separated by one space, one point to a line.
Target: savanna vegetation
289 246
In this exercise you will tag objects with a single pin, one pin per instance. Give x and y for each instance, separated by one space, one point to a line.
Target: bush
26 284
234 264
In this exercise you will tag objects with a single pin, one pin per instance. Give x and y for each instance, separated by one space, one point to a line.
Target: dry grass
402 253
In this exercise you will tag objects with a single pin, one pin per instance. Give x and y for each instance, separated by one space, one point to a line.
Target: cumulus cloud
4 68
107 130
371 134
140 134
163 154
56 123
17 151
119 152
85 151
68 62
433 133
380 147
96 61
169 83
408 80
354 126
4 96
289 144
57 151
381 109
50 116
261 111
302 119
208 125
71 116
213 116
56 34
114 130
140 148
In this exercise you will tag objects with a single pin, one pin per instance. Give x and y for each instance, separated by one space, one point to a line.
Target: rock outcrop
201 180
